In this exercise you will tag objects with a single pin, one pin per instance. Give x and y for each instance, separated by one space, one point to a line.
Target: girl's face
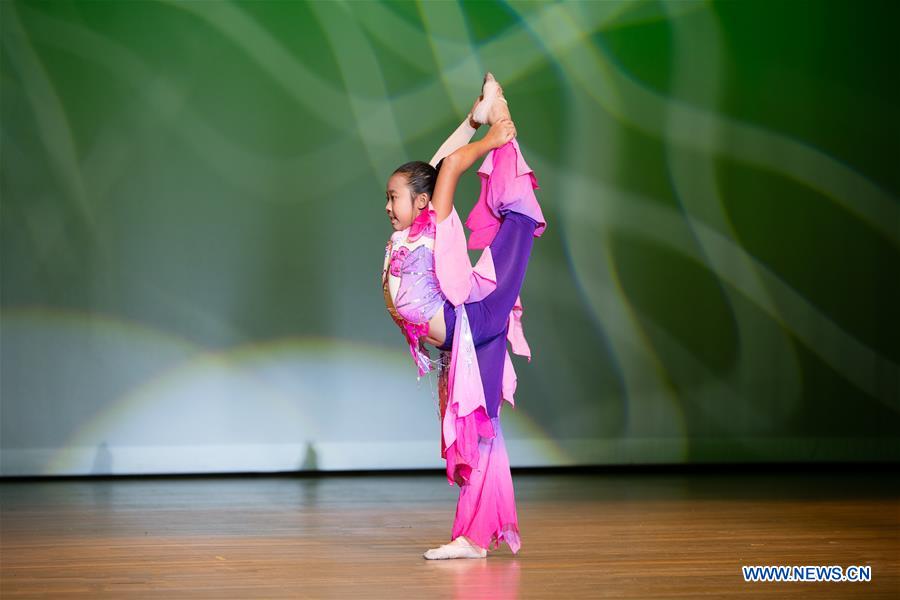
401 208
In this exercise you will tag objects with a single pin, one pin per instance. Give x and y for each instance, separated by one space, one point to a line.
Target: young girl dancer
435 295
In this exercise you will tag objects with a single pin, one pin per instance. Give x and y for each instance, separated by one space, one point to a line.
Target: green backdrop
193 229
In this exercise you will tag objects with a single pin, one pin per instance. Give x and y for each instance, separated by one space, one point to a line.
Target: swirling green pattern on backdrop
193 229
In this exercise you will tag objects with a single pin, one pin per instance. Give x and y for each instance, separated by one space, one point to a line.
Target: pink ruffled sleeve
459 281
465 417
451 261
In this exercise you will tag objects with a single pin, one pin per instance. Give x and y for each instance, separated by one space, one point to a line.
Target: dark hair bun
420 175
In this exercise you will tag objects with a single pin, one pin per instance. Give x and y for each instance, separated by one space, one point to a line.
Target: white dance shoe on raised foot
493 106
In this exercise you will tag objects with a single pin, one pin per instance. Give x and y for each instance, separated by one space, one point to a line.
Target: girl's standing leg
486 509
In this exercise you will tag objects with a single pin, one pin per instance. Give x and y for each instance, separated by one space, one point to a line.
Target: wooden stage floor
612 533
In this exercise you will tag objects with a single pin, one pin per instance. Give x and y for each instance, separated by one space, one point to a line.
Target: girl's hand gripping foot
500 133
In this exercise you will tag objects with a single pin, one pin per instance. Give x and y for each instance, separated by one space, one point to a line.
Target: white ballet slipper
490 109
458 548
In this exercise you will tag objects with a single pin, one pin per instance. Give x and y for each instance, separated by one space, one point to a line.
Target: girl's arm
460 160
458 138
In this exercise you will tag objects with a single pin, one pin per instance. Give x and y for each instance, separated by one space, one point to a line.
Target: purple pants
489 318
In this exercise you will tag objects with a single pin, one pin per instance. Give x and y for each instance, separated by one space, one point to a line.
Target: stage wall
193 230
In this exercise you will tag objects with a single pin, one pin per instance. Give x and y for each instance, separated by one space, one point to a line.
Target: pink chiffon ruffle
486 510
507 183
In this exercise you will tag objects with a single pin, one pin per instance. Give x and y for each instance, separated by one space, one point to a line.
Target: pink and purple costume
482 311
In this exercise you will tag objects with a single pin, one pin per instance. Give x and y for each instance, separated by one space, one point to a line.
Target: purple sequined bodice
411 289
419 295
